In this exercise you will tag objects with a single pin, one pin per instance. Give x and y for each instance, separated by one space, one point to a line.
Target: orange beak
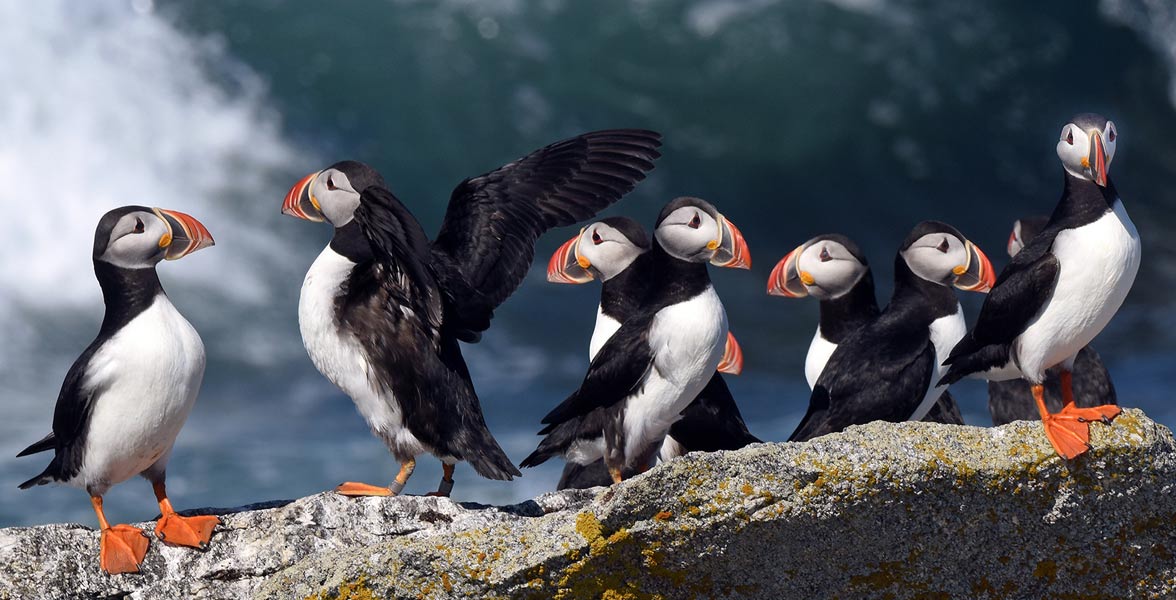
567 266
1098 159
185 234
785 278
730 249
978 275
301 203
732 362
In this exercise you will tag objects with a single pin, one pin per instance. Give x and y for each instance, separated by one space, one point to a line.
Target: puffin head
1024 230
827 267
331 194
939 253
1087 147
137 237
601 250
691 229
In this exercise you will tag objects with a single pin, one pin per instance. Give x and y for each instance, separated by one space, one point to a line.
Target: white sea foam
105 104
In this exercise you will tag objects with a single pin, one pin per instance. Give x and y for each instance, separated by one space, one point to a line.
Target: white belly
688 340
946 332
820 349
151 371
1097 266
341 359
606 326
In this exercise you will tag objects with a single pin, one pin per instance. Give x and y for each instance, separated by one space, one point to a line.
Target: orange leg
122 547
615 473
1069 436
446 486
181 531
352 488
1097 413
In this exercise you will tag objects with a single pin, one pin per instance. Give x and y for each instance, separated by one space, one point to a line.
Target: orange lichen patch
353 590
664 515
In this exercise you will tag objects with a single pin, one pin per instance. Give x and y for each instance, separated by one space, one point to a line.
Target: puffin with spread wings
383 308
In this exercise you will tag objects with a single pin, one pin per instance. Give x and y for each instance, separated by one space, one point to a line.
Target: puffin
615 251
834 270
383 309
1012 400
1061 289
662 355
124 400
888 368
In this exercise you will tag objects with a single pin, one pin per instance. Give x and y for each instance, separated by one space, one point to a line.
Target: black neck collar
843 315
126 293
622 296
1083 202
350 242
922 301
675 280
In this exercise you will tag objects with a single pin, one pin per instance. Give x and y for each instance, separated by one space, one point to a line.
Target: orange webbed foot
1069 436
193 532
1105 413
352 488
122 549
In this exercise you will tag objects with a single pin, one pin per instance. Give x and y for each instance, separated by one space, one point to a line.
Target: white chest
606 326
340 357
151 371
687 340
1097 264
945 333
820 349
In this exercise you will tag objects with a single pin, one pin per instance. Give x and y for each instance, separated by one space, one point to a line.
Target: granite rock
911 510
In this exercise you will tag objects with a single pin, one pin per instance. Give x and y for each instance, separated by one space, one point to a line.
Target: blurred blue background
795 118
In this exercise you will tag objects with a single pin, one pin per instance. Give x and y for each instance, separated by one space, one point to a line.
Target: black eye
139 225
1111 134
331 184
825 255
1070 136
695 222
943 246
596 238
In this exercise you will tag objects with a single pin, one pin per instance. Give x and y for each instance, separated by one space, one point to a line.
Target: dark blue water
795 118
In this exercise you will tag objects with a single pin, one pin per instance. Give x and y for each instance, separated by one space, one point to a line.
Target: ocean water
794 118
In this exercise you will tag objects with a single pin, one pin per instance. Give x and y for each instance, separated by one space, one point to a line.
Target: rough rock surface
916 510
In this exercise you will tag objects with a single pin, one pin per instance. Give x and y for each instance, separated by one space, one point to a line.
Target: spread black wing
71 418
487 240
1021 290
878 373
618 371
712 421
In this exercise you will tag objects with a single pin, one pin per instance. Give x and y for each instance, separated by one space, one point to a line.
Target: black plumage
883 370
408 301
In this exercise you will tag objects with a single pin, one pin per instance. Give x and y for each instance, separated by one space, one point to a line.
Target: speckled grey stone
915 510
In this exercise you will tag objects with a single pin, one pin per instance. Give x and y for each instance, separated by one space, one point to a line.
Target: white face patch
687 234
135 241
1074 148
607 250
935 257
335 196
834 270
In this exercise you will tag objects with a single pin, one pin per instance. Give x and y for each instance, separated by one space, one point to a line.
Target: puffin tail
46 476
559 438
489 460
47 443
968 358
